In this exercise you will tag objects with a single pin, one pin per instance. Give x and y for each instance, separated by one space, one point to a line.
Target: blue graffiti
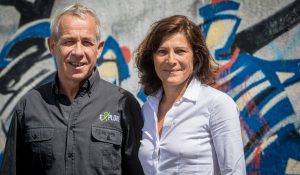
276 155
36 29
111 44
141 95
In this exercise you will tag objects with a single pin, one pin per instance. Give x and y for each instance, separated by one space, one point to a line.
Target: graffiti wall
256 42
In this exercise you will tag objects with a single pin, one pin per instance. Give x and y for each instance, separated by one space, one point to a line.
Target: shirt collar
155 99
87 85
193 90
54 84
191 93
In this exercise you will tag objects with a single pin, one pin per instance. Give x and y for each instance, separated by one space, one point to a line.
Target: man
77 124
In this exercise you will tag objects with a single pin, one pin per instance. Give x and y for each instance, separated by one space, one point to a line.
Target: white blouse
201 135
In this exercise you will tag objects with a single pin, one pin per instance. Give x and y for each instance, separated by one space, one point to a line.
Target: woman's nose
171 58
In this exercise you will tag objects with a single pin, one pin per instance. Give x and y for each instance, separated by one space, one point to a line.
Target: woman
190 127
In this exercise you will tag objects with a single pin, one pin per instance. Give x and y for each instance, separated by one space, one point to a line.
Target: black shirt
98 133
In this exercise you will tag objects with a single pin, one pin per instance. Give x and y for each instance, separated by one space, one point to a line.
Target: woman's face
173 60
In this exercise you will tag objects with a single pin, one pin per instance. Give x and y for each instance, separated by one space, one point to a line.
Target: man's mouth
74 64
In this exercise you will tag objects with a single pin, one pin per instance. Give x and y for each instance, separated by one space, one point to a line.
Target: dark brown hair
205 68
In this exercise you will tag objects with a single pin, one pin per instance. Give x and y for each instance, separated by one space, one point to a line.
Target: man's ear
100 48
50 45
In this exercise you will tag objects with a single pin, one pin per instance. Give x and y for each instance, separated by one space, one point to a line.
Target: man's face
76 50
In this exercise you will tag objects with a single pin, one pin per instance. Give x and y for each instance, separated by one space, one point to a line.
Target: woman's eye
180 51
161 52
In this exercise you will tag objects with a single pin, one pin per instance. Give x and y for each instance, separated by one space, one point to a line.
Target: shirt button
35 136
108 137
70 155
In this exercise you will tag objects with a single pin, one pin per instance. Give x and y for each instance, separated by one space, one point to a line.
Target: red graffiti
214 2
256 162
225 70
126 53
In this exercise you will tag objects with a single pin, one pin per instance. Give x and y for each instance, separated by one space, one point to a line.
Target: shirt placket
70 149
166 126
155 155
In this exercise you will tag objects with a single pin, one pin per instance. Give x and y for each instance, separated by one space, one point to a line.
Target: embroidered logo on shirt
106 116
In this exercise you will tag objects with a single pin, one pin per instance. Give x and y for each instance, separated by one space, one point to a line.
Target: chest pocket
105 148
39 141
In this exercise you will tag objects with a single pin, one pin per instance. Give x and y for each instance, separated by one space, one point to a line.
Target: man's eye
87 43
68 42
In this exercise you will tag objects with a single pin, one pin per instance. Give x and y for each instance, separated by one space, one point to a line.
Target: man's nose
78 49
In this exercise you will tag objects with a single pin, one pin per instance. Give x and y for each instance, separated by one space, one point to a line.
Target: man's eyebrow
89 38
73 38
67 38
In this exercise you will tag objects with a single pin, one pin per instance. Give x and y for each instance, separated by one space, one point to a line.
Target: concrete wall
256 41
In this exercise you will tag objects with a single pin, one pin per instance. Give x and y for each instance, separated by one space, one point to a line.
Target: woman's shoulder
147 104
218 97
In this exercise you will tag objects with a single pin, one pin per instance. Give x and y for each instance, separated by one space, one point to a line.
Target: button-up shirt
97 134
201 135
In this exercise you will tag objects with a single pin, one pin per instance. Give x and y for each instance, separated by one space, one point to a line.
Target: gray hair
76 10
